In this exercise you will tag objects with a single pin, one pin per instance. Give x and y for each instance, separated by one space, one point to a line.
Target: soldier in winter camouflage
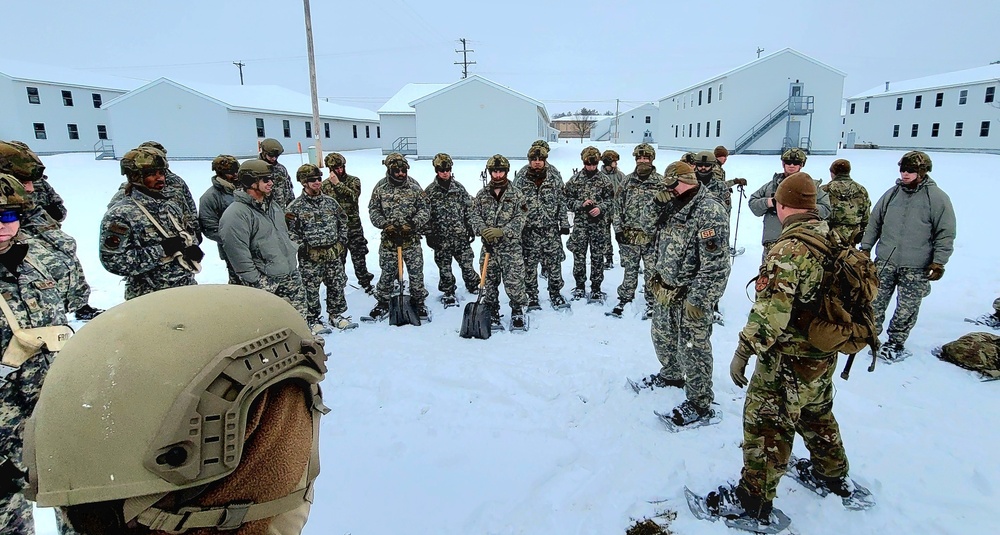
318 224
914 225
610 160
589 195
33 287
849 203
399 207
283 192
690 272
547 221
142 235
498 215
549 168
791 390
347 189
45 195
449 232
635 217
214 202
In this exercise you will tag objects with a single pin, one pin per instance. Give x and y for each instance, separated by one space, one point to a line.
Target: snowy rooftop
34 72
948 79
400 102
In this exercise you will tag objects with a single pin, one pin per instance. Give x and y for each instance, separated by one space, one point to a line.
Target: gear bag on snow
978 352
841 318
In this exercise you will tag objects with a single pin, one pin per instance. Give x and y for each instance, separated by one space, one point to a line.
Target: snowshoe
558 302
618 310
854 496
725 505
653 382
421 309
87 313
989 320
578 293
892 352
342 322
379 313
609 264
317 328
368 288
518 321
495 324
449 300
648 314
687 416
597 297
533 304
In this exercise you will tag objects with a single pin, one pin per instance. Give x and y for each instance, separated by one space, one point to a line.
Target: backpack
841 319
978 352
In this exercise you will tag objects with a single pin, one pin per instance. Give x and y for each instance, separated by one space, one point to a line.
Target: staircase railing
104 150
405 145
762 126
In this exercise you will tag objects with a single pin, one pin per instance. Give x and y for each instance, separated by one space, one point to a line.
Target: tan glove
692 311
663 197
491 234
738 367
739 182
935 271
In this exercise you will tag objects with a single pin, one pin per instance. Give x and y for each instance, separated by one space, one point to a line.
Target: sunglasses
9 216
908 169
590 162
442 169
313 179
791 162
536 159
703 165
267 178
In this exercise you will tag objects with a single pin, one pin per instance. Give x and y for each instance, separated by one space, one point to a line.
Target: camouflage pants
631 255
609 249
789 395
139 286
413 262
597 236
357 246
912 286
506 263
330 272
288 287
461 252
684 348
542 246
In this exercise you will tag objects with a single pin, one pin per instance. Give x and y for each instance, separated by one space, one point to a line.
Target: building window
899 103
355 127
97 99
676 134
720 92
690 130
378 132
368 132
260 127
33 96
917 100
984 129
934 129
718 128
699 97
40 131
699 130
326 130
648 119
913 130
958 129
67 98
309 130
74 132
709 95
895 130
286 126
102 132
990 91
866 106
939 100
853 104
963 96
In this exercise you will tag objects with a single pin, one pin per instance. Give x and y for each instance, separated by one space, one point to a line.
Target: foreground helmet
271 147
253 170
334 160
794 155
917 160
307 171
139 413
590 155
443 162
12 193
225 164
155 144
538 151
609 156
644 149
141 160
498 162
541 143
705 157
18 160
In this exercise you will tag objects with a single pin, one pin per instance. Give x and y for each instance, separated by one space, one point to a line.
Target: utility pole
240 65
465 58
759 50
312 85
616 120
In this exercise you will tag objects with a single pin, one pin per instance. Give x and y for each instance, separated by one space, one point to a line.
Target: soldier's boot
648 313
596 295
688 413
342 322
578 293
87 312
449 300
841 486
368 288
380 311
495 324
733 502
317 327
516 318
619 308
421 308
658 381
533 304
557 301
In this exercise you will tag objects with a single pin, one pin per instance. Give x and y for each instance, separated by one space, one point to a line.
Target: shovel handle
482 274
399 261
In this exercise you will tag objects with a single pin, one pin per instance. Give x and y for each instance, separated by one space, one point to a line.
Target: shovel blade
401 311
476 321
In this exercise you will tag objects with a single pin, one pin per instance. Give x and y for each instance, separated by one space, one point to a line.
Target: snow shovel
476 318
401 310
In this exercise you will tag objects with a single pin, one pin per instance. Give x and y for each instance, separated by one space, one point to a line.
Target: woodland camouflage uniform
545 224
850 204
347 192
318 224
635 217
592 232
508 212
449 233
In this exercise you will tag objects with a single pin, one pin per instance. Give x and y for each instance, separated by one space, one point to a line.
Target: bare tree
583 121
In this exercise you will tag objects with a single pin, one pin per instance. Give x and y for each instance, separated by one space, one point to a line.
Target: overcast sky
565 53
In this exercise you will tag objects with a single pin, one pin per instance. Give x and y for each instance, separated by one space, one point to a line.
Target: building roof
480 79
745 66
400 102
34 72
975 75
259 98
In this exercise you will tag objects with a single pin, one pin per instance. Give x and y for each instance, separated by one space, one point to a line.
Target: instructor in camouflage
346 189
283 192
449 231
589 195
609 159
849 203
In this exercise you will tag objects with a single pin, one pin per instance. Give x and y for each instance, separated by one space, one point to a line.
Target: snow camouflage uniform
772 227
791 390
508 212
283 192
46 198
394 204
39 224
211 206
131 246
256 241
449 233
917 227
635 217
691 264
617 181
594 232
318 224
849 207
545 223
176 190
347 193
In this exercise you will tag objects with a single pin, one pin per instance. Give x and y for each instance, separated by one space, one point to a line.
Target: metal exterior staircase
797 105
104 150
405 145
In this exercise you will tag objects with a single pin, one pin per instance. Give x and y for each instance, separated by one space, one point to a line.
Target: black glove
172 245
619 237
564 231
12 479
193 253
433 241
57 212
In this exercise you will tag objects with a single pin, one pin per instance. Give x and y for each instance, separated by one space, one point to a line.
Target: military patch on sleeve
707 233
762 282
118 228
112 242
712 245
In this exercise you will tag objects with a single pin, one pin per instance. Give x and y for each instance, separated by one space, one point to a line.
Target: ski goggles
9 216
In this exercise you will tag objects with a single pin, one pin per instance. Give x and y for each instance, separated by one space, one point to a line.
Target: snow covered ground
537 433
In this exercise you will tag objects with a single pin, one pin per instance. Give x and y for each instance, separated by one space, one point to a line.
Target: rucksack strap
227 517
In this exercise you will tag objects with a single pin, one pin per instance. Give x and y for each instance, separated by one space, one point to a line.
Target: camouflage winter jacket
617 178
316 222
549 169
45 197
772 227
175 189
635 214
915 226
849 207
256 240
38 291
346 192
545 201
283 192
508 213
212 204
692 248
450 205
597 188
719 189
397 205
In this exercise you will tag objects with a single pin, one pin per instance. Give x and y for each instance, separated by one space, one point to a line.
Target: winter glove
692 311
391 232
433 241
55 211
491 234
738 367
662 197
935 271
193 253
406 229
172 245
339 249
619 237
739 182
564 231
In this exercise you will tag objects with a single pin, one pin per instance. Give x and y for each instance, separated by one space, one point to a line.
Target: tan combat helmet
152 397
17 159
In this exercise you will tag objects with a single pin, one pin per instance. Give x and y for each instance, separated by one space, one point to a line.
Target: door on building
849 144
792 129
795 104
